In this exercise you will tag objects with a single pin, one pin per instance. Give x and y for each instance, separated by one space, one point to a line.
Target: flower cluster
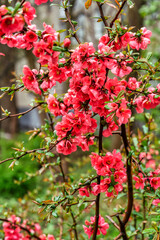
112 169
15 230
102 226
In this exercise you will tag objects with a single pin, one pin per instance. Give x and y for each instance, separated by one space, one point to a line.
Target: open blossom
11 24
123 113
56 107
102 226
13 230
141 40
139 181
38 2
28 12
155 182
30 80
94 189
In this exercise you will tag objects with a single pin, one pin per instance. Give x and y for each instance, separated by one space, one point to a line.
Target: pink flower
67 42
102 226
123 113
139 181
28 12
38 2
11 25
133 84
155 182
55 106
30 80
67 146
2 54
156 202
141 39
84 191
31 36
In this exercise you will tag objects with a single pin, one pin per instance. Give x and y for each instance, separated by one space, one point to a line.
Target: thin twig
74 225
31 151
102 14
20 114
113 222
72 25
119 11
118 237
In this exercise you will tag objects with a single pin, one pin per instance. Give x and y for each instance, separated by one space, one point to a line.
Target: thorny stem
98 182
22 227
119 11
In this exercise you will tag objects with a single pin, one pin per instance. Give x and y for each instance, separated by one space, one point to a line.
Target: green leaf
50 154
149 55
121 195
55 214
130 3
110 189
135 142
148 230
145 129
107 107
17 6
59 49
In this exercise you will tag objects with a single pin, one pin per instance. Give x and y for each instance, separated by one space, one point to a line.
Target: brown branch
20 114
98 182
118 237
113 222
72 25
119 11
122 228
74 225
102 14
22 155
129 177
23 1
144 215
22 227
32 151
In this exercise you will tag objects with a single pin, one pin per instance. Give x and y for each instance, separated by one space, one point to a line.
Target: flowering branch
74 34
32 235
98 182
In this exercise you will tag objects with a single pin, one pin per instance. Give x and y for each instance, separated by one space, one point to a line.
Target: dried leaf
12 164
88 4
111 5
117 3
